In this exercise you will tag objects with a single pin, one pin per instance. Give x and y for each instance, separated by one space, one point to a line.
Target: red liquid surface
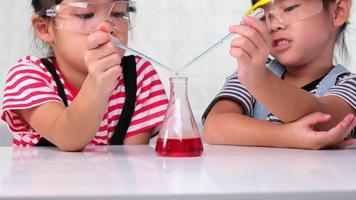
179 147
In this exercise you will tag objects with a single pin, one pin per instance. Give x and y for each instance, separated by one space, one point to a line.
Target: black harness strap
55 76
130 82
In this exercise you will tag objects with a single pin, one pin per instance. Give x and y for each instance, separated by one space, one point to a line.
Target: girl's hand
301 134
103 61
251 50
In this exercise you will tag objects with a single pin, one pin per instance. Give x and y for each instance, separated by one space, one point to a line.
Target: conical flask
179 135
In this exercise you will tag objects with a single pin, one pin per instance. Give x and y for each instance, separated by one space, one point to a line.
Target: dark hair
40 5
340 38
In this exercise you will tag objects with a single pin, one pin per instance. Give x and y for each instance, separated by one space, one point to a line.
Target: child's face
76 19
300 30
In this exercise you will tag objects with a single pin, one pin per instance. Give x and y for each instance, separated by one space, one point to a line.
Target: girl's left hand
251 49
302 134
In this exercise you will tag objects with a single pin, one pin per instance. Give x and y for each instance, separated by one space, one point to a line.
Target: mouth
281 44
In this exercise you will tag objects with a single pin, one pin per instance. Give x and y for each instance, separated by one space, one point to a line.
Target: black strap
61 93
55 76
129 73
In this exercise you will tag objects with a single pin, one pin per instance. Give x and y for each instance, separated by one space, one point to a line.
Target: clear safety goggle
284 12
85 17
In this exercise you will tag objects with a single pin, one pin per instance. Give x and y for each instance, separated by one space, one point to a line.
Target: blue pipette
257 14
118 44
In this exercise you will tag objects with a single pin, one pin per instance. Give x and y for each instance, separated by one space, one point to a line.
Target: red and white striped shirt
29 84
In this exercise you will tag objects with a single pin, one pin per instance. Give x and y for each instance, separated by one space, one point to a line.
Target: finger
104 51
350 127
244 44
342 129
250 33
241 56
260 26
346 124
111 60
96 39
348 120
104 64
316 118
345 143
114 72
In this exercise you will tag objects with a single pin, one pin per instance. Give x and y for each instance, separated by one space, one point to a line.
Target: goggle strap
50 12
258 4
131 7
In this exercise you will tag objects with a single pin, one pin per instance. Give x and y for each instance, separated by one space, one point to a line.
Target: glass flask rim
184 78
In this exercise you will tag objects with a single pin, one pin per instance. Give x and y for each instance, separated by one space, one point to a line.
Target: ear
42 28
340 12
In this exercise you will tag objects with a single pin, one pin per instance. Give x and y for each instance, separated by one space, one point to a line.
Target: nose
108 27
276 23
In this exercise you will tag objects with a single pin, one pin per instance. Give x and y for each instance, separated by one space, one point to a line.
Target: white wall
173 31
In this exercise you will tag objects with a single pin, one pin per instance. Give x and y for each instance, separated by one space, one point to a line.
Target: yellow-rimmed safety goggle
264 2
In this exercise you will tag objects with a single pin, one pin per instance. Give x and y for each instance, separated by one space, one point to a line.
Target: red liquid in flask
179 147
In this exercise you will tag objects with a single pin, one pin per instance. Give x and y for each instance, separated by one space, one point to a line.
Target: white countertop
136 172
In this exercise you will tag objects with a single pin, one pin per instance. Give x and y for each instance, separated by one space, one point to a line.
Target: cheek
75 48
71 42
315 35
71 48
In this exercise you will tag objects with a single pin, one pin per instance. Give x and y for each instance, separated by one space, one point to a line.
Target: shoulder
145 71
344 87
30 61
27 83
346 77
144 66
28 66
232 76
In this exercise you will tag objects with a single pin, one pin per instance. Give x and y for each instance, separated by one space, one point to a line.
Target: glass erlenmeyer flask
179 136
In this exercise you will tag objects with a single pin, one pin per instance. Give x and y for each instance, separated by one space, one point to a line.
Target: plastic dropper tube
257 14
118 44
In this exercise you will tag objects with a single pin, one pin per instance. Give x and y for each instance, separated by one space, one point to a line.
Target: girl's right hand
103 61
301 134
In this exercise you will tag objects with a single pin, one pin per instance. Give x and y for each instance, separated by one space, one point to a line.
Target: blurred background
171 31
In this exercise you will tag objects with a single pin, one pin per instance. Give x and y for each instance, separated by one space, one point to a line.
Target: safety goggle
284 12
84 17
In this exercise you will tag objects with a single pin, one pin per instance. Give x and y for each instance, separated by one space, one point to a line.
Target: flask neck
178 87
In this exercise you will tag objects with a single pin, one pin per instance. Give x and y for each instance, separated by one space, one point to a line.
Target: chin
286 59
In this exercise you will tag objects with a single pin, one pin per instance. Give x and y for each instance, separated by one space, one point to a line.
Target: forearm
69 128
77 125
80 121
284 100
238 129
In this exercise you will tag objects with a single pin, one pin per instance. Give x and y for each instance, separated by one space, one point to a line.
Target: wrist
284 138
94 95
253 78
95 90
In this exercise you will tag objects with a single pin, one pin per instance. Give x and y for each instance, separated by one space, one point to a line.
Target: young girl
87 92
283 104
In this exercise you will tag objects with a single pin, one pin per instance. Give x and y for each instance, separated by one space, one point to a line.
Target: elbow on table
210 134
71 149
67 147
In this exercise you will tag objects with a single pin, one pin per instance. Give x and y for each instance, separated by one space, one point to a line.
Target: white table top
135 172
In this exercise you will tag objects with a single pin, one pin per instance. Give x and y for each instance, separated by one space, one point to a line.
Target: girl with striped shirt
80 94
300 99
